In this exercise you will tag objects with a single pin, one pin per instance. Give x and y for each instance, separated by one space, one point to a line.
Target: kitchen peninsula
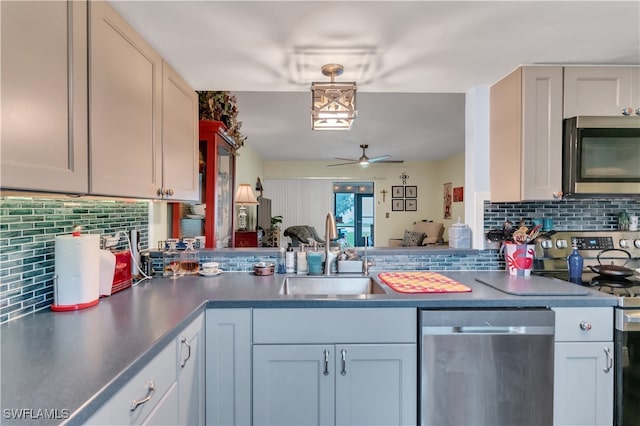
75 362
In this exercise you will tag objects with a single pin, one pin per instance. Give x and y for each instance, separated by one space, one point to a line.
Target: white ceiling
413 61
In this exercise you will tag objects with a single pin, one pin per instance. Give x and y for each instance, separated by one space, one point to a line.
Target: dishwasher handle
537 330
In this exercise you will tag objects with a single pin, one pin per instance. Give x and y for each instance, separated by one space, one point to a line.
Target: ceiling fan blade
391 161
346 159
380 158
342 164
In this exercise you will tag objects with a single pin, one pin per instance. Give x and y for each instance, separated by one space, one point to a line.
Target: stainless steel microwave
601 156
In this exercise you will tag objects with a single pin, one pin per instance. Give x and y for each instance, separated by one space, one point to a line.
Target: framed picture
458 194
411 205
410 192
446 200
397 192
397 205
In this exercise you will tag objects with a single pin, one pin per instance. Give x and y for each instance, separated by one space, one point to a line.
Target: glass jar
171 259
190 257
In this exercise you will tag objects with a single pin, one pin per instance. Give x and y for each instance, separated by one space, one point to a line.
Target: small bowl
210 267
198 209
263 268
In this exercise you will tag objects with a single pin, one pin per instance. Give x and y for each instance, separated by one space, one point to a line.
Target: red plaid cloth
421 282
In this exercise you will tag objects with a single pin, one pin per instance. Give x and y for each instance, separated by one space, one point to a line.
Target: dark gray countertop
75 361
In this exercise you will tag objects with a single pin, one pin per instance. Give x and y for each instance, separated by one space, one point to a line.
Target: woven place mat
421 282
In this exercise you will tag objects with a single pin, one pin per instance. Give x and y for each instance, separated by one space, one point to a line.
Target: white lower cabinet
168 390
138 398
191 408
583 366
228 367
165 412
334 367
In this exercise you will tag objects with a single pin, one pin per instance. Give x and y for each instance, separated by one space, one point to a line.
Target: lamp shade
245 196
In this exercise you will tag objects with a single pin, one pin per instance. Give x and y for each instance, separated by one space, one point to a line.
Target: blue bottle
575 262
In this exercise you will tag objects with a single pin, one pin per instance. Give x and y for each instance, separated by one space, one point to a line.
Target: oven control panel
592 243
589 243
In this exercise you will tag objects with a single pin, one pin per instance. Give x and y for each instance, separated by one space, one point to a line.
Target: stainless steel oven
601 156
550 260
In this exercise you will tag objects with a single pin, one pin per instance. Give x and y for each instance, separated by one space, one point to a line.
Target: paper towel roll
77 267
107 270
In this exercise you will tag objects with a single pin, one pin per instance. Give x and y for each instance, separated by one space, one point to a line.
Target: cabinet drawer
335 325
161 370
584 324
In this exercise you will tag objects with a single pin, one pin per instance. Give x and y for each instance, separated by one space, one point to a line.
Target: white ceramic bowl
210 267
198 209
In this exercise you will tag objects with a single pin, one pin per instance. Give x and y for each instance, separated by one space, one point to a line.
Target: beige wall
249 166
427 176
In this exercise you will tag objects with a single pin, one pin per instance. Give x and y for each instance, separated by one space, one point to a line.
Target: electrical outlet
111 241
386 215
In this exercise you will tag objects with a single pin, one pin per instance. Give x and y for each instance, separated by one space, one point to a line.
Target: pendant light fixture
333 104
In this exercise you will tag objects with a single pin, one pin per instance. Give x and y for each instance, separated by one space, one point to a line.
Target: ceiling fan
364 161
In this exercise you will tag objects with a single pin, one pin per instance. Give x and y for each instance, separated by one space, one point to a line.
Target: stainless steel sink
330 285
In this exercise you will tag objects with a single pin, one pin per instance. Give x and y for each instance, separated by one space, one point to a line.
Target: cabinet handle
160 192
169 192
150 393
585 326
326 363
343 354
607 353
627 111
184 361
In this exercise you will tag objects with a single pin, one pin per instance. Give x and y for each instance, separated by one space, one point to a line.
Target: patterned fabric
412 239
421 282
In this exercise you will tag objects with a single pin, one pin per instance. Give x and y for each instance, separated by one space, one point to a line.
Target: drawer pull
585 326
343 353
150 393
184 361
609 365
326 363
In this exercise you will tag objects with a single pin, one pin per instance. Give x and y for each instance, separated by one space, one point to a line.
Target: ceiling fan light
333 105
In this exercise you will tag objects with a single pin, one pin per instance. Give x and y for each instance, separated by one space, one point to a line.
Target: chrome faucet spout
330 233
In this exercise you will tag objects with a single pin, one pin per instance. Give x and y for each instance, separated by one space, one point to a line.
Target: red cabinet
218 165
246 239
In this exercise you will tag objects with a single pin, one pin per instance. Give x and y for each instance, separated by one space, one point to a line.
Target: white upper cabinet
526 135
143 116
44 96
603 90
125 101
179 138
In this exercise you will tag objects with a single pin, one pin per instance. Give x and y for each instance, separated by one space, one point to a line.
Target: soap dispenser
290 260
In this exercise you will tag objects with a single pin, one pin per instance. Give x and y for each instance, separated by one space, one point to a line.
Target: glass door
354 211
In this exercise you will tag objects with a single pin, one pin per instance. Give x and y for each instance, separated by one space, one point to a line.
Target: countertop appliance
486 367
601 156
551 254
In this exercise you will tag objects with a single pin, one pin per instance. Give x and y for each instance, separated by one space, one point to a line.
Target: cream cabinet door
179 138
293 385
125 101
376 384
601 90
526 135
228 367
583 383
44 96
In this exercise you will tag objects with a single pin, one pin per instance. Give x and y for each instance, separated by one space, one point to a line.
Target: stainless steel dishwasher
486 367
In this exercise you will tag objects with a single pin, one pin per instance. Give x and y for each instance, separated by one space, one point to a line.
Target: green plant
275 221
221 106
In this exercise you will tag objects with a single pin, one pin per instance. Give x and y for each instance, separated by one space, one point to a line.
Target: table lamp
244 197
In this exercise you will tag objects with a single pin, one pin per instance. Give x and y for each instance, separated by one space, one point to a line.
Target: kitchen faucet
365 262
330 233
